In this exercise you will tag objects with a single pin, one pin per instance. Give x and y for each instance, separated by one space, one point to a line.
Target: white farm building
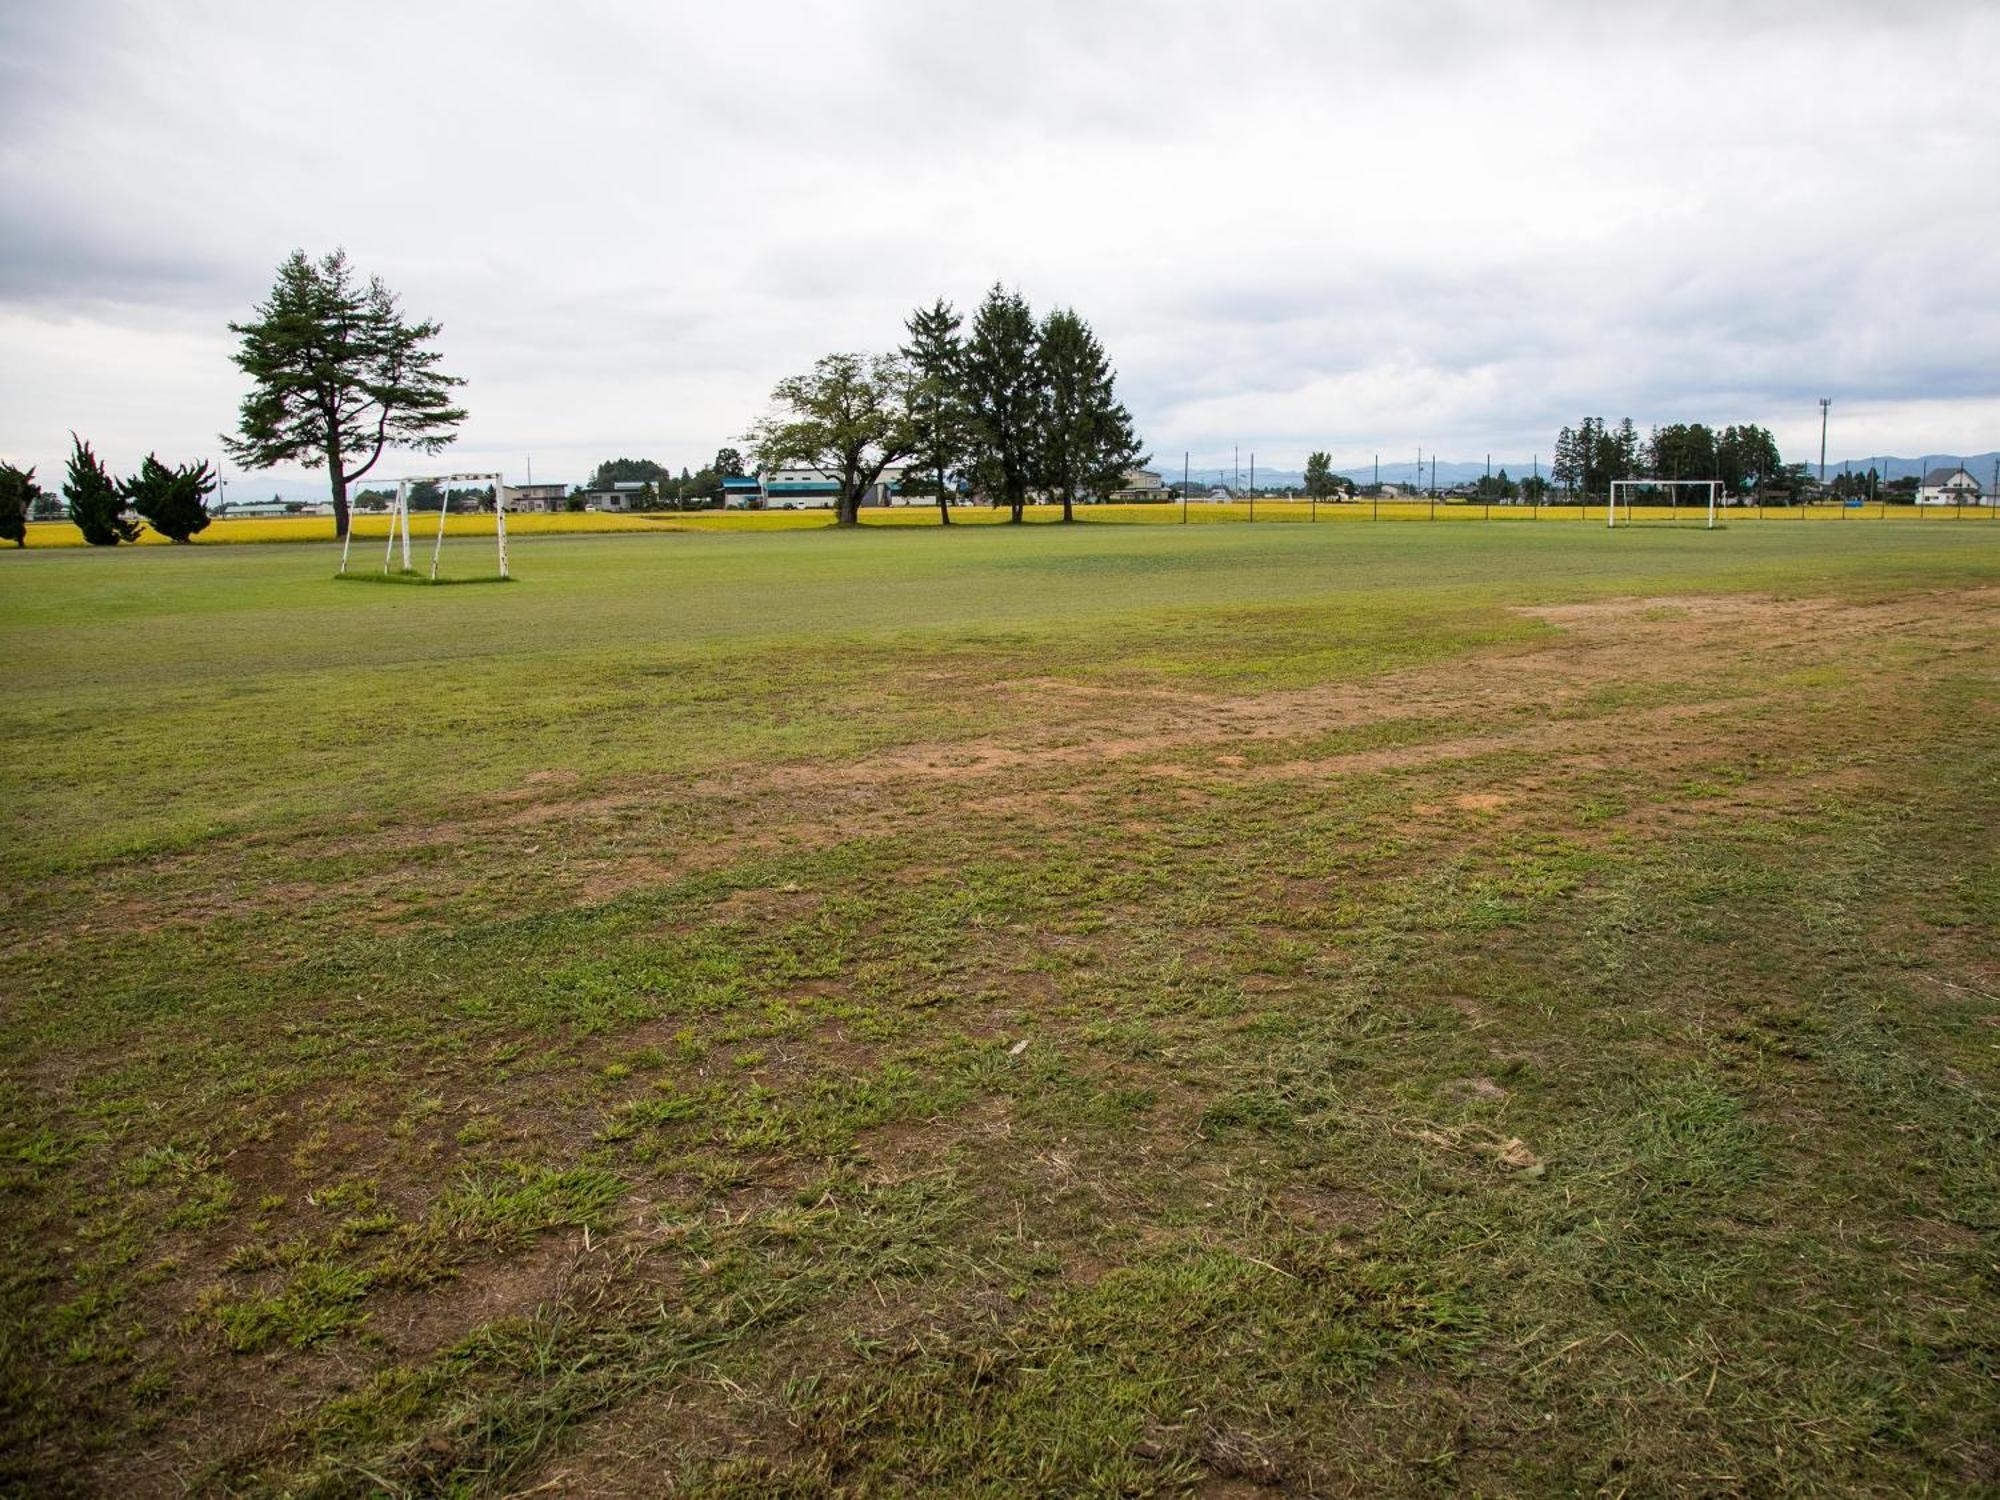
1952 487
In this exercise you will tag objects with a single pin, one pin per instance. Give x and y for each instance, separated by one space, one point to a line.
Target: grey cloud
1474 219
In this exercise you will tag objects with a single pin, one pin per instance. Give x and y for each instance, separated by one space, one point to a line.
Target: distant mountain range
1450 472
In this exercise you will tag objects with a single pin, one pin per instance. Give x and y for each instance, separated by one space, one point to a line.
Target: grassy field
1125 1010
375 527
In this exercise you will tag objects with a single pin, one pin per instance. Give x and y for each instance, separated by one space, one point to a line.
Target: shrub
95 505
174 501
18 494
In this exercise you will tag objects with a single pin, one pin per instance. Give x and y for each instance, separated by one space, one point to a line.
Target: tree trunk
336 474
1069 500
944 503
849 511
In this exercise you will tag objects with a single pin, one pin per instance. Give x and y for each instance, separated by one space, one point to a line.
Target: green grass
1460 1009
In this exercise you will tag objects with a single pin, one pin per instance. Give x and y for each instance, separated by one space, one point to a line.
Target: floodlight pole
1824 403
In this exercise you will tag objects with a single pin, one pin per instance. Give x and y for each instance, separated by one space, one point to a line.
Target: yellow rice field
376 526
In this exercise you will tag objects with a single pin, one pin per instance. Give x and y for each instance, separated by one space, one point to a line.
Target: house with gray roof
1951 487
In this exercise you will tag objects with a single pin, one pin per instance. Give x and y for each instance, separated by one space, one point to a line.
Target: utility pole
1824 403
1253 484
1184 485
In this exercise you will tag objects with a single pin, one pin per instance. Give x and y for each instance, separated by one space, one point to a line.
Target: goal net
465 493
1686 500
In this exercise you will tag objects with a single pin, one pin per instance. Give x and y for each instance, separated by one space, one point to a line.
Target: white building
1141 485
623 495
537 497
1950 487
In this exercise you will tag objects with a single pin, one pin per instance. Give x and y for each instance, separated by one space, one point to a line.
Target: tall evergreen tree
1624 462
18 494
171 500
939 421
1086 439
338 374
1003 397
95 506
1566 463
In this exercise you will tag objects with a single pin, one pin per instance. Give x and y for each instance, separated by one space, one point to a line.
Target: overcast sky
1359 226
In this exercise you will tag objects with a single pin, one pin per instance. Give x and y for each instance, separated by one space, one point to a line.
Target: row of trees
170 498
1589 456
1011 407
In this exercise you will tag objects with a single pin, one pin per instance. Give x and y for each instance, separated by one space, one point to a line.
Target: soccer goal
1655 494
444 486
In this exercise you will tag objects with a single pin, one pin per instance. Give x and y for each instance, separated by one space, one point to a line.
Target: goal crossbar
1713 487
399 519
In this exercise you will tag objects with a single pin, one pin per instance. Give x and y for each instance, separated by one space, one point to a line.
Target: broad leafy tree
1321 482
848 417
728 464
939 423
1682 450
338 377
1002 387
18 494
1746 459
615 470
172 499
95 506
1086 439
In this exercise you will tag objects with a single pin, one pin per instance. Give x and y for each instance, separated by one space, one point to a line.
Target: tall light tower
1824 403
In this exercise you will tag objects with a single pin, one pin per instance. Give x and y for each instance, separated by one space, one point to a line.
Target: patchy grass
1117 1010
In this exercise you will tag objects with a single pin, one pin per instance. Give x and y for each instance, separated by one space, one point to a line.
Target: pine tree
1625 450
173 501
18 494
1565 466
338 374
1001 384
95 506
1086 440
938 417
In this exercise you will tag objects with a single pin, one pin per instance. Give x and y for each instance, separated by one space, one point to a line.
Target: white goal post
1673 487
399 519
